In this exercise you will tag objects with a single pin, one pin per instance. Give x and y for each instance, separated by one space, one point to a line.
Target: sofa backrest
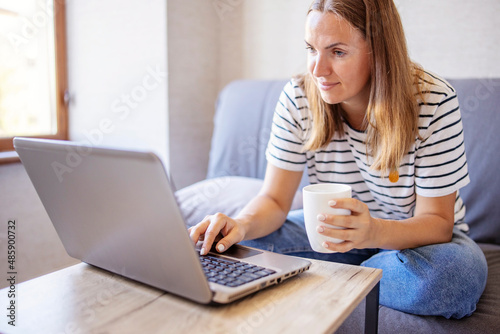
242 125
480 107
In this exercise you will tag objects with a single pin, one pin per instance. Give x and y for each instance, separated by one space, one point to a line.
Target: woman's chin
330 99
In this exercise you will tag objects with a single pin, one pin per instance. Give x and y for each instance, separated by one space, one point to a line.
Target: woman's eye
339 53
309 49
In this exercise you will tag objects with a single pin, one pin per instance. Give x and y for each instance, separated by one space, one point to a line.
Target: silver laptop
116 210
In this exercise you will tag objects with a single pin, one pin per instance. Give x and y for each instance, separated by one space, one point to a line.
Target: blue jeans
442 279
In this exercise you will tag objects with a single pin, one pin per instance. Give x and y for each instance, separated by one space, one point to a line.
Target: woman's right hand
211 226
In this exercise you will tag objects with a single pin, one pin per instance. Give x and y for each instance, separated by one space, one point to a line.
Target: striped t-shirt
434 166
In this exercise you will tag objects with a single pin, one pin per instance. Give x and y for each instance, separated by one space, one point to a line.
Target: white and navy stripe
434 166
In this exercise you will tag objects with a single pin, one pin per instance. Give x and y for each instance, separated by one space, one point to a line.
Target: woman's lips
327 85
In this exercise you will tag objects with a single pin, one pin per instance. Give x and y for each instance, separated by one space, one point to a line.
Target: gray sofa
237 163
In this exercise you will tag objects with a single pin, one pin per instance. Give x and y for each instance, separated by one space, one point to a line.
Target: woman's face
338 59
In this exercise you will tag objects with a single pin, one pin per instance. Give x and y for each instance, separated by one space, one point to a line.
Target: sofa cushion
227 194
480 106
485 319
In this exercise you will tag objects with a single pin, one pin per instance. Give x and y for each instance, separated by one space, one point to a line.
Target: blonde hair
392 113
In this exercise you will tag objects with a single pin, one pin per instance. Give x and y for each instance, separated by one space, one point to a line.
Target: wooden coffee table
85 299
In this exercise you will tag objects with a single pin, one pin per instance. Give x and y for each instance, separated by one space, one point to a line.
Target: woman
365 115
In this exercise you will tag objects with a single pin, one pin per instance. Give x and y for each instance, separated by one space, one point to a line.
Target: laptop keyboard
231 273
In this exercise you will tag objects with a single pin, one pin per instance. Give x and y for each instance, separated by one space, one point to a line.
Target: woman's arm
432 223
264 214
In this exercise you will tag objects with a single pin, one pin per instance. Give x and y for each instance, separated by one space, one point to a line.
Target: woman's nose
321 67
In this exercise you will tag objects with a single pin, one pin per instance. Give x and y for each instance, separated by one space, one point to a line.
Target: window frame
62 94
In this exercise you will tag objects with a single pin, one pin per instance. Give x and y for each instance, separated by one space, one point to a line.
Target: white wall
454 38
117 62
114 46
193 30
262 39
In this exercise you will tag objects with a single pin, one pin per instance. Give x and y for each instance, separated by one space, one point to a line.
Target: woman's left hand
358 229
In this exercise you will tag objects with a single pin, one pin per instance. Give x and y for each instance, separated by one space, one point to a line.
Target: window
33 70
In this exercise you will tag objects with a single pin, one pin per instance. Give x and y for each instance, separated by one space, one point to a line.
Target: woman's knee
445 279
451 284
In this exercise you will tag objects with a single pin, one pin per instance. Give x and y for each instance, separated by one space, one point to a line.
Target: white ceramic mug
316 198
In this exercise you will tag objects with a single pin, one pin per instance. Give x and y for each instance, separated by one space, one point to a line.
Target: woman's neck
356 121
